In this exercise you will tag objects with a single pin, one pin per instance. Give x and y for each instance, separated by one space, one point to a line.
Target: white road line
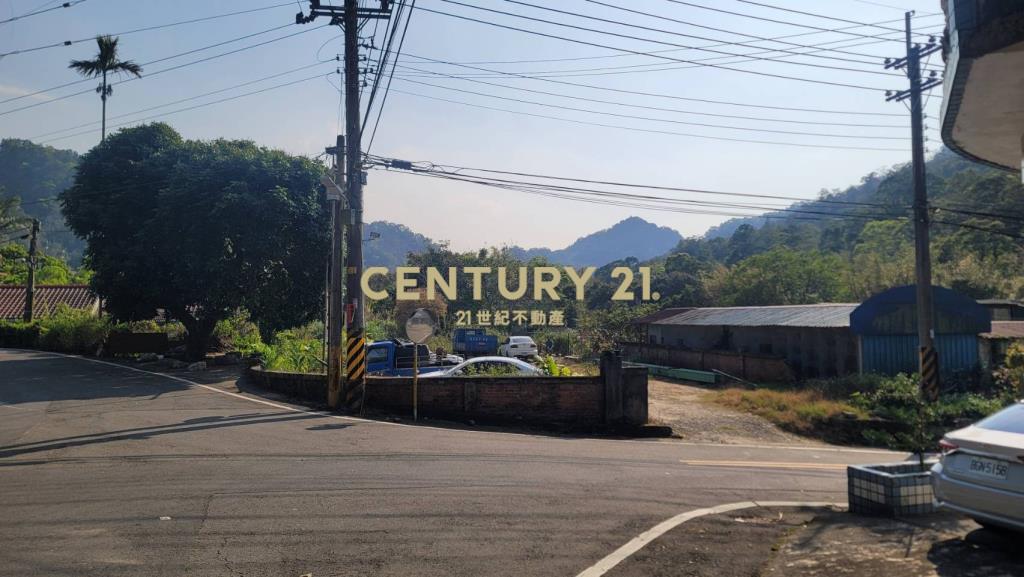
449 430
641 540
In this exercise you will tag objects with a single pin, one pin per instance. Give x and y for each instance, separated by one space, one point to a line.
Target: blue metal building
886 327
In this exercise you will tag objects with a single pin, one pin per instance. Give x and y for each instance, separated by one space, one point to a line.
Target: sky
484 119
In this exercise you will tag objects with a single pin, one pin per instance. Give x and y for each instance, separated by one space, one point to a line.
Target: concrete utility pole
30 286
355 346
351 391
929 359
335 307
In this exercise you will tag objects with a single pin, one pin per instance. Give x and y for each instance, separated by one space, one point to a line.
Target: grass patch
799 411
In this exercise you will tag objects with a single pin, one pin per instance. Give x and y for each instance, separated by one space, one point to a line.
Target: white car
488 366
981 473
518 347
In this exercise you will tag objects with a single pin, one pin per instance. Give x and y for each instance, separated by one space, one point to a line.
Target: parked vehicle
473 342
394 358
519 347
489 366
981 472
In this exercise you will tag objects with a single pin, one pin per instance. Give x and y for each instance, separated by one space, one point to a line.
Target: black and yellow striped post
355 368
929 373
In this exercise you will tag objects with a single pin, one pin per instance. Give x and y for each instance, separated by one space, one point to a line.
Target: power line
701 48
145 29
812 14
637 68
637 52
799 25
228 99
657 95
461 169
155 107
387 89
42 11
650 119
177 67
773 39
641 106
650 130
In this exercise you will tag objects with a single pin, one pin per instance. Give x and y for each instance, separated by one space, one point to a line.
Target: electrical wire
173 102
387 89
42 11
703 38
177 67
797 24
650 119
145 29
431 73
163 114
637 52
391 163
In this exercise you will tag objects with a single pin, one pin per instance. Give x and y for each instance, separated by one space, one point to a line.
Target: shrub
20 335
73 331
237 333
803 411
290 352
899 399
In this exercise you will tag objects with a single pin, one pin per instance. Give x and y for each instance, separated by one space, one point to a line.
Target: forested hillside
853 243
632 237
36 175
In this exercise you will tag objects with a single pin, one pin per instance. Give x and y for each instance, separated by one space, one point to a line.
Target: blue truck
394 358
474 343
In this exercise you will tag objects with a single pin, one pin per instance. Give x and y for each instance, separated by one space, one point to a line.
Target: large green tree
201 229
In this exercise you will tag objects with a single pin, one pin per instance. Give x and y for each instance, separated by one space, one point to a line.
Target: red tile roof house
47 299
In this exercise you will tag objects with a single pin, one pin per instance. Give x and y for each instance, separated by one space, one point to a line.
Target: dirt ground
680 406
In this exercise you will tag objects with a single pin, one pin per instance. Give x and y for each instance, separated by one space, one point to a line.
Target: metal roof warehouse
818 340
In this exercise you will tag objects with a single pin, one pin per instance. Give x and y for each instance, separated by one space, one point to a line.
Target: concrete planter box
890 490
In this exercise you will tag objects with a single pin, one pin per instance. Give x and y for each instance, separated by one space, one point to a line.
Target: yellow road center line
765 464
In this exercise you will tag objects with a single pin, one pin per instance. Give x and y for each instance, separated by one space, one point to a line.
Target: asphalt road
109 471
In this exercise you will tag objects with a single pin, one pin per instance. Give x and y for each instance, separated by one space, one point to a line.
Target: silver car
981 473
488 365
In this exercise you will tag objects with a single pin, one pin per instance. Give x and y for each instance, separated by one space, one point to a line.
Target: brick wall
569 400
573 401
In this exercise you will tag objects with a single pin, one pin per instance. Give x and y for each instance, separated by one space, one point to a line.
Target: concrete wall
617 397
755 368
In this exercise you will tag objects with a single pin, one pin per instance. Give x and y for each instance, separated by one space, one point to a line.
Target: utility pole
928 356
30 286
335 301
355 346
348 17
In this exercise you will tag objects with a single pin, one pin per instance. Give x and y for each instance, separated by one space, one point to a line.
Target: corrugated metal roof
48 297
827 315
1005 330
660 315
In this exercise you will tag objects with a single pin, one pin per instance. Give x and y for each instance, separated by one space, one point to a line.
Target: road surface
106 470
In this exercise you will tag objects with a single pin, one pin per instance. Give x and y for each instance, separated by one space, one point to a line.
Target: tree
10 220
105 63
782 277
201 229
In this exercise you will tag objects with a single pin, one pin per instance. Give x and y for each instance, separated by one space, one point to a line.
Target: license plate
989 468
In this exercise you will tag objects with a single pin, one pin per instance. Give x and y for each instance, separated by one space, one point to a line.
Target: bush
899 399
20 335
73 331
237 333
291 352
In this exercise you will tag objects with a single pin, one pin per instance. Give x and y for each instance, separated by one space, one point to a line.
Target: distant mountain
395 242
633 237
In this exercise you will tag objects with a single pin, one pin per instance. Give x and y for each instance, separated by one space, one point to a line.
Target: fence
757 368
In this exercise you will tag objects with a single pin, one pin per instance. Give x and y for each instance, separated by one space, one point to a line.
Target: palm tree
106 62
